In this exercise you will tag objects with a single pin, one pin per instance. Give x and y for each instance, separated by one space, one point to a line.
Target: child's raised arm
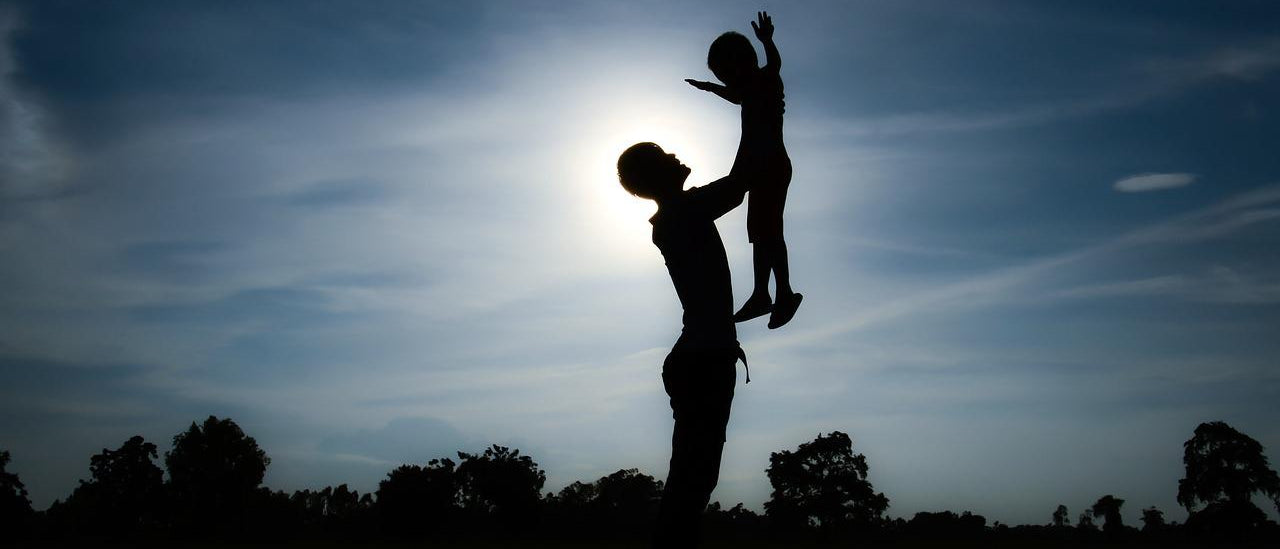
717 89
763 25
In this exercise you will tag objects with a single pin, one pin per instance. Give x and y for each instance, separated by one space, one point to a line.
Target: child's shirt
762 108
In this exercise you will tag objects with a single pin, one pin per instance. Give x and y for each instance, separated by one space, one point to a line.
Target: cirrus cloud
1154 182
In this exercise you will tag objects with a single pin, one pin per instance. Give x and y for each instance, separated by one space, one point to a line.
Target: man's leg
701 390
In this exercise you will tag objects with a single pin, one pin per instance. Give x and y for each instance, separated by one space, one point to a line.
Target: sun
618 219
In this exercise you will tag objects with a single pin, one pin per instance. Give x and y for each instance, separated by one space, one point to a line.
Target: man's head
647 171
731 58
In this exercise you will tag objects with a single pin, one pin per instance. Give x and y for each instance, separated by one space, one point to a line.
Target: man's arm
720 196
717 89
763 25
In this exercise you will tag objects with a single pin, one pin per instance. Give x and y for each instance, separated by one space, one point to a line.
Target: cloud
1154 182
402 440
30 162
1217 221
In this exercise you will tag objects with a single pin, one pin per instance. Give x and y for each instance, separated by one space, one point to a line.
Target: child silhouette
733 60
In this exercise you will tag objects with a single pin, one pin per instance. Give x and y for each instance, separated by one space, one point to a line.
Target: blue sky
1038 241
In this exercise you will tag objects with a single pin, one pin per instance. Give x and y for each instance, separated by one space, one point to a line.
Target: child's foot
754 307
784 309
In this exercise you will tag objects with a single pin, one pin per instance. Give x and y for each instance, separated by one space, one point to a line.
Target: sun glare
618 219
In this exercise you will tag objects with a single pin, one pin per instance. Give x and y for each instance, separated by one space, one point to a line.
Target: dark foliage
1108 507
621 505
1152 520
15 508
1061 517
501 488
340 512
820 489
946 525
214 474
823 485
416 501
123 497
1224 469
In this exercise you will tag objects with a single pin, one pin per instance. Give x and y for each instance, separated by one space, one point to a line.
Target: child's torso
762 109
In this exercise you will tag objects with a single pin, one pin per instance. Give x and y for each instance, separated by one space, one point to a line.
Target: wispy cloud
1216 221
30 163
1153 182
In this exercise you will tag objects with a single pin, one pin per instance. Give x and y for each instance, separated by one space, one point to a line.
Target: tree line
213 490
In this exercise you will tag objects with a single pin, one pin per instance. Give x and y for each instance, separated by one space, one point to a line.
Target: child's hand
704 86
763 25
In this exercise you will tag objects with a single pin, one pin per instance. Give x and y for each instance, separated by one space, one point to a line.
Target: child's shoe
784 309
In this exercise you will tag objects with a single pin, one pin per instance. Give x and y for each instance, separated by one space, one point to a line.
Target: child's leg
784 307
762 261
759 304
781 273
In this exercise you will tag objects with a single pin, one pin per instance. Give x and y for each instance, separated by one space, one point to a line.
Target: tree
1085 521
124 494
1224 465
1108 507
1152 520
619 504
947 525
15 508
414 500
214 474
332 510
822 484
1061 517
501 486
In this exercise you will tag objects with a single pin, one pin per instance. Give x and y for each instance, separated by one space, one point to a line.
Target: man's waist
705 339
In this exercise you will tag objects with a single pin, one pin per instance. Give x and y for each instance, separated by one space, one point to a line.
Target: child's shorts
766 201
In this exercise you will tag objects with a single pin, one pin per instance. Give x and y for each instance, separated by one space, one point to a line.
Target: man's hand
704 86
763 25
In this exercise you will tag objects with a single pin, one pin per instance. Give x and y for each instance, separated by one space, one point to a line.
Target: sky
1039 243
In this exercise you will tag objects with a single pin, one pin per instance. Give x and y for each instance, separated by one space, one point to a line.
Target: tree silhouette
1152 520
123 496
214 474
1085 521
947 525
1224 465
414 500
331 510
822 484
1224 469
501 487
1108 507
15 508
621 504
1061 517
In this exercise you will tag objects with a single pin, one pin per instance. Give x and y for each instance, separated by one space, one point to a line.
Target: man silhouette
699 373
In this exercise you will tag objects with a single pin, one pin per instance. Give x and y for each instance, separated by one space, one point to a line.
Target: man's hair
635 169
731 54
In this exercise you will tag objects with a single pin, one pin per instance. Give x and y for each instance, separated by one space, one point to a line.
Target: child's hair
635 169
731 56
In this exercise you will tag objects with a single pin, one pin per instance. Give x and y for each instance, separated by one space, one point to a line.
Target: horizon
1038 243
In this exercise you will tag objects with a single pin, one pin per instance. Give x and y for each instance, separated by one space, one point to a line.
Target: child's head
731 58
647 171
